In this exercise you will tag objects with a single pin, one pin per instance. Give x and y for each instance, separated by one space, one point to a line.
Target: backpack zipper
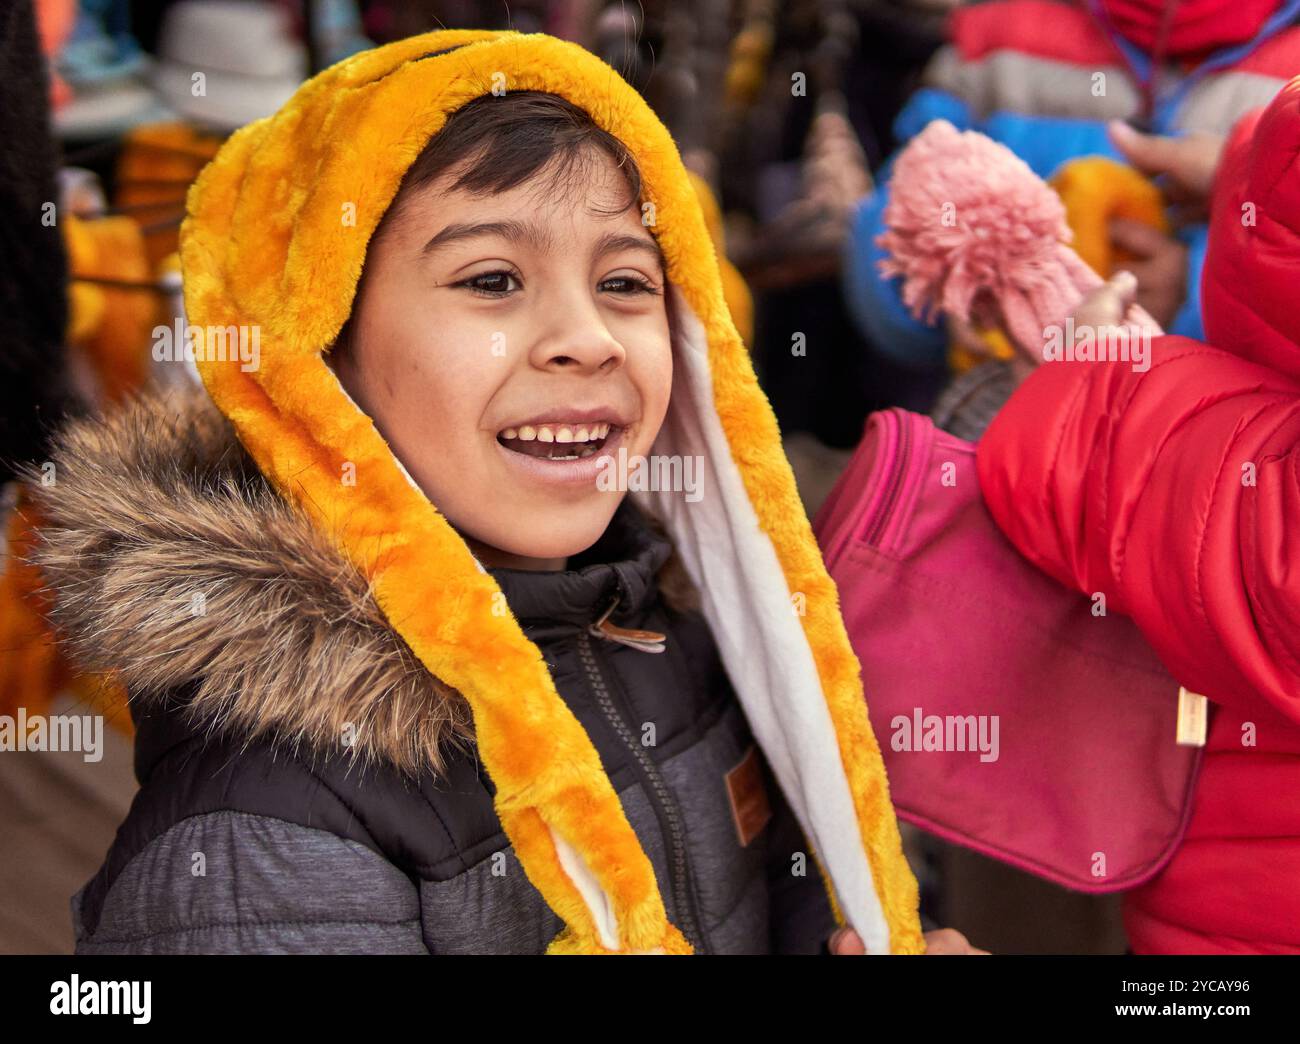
874 527
656 789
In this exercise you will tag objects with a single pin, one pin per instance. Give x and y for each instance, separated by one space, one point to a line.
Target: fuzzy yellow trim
267 243
1096 190
735 291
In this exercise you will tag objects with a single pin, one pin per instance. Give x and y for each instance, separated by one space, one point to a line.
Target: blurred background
785 110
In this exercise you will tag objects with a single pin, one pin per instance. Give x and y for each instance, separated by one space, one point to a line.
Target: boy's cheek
654 384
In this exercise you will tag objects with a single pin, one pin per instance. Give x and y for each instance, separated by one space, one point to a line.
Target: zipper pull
645 641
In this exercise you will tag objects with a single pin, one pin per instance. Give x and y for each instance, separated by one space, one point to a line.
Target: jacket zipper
875 527
657 791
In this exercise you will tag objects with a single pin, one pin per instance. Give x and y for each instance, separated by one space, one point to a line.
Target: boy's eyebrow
514 231
522 231
614 241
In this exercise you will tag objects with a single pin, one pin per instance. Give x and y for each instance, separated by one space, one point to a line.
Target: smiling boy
538 716
533 337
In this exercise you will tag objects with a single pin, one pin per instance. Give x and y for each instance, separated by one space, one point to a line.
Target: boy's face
504 343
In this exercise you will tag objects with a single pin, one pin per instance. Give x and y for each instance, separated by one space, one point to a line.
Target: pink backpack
1012 719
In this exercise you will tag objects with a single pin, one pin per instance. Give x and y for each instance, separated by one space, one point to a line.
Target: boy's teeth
566 433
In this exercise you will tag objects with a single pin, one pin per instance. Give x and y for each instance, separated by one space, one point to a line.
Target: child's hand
945 942
1159 264
1186 165
1108 304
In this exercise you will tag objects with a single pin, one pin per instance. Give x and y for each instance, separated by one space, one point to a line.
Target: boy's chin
555 534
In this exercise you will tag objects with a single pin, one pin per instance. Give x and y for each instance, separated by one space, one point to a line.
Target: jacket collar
621 565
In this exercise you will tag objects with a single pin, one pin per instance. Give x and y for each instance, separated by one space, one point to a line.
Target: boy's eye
627 285
491 284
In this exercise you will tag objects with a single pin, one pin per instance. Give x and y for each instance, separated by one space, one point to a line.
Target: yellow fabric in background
1096 190
111 324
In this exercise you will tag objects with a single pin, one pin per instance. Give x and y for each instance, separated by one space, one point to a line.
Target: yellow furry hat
264 245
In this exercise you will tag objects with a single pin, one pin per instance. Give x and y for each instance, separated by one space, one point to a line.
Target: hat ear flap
1021 318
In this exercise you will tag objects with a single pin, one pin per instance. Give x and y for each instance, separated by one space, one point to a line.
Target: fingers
948 942
1137 238
1121 288
1106 305
845 942
1150 153
1189 161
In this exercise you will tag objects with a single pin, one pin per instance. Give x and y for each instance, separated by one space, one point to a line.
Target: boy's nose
582 342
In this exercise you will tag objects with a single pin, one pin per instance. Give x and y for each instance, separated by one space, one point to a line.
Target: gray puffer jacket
256 831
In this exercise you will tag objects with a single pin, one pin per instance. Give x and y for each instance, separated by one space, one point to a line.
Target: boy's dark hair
496 143
499 142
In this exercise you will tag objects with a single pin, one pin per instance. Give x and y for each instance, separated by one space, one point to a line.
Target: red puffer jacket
1176 492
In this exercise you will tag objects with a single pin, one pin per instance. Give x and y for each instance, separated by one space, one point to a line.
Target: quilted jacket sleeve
234 883
1175 493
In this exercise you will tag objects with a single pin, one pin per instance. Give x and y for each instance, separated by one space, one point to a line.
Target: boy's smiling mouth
558 441
566 448
564 435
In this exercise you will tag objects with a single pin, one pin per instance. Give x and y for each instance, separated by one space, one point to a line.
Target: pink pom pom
966 215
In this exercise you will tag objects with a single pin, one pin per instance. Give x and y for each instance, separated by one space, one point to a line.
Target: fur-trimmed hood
175 565
263 248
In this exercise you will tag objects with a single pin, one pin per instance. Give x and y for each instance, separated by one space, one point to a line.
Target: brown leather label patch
749 805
